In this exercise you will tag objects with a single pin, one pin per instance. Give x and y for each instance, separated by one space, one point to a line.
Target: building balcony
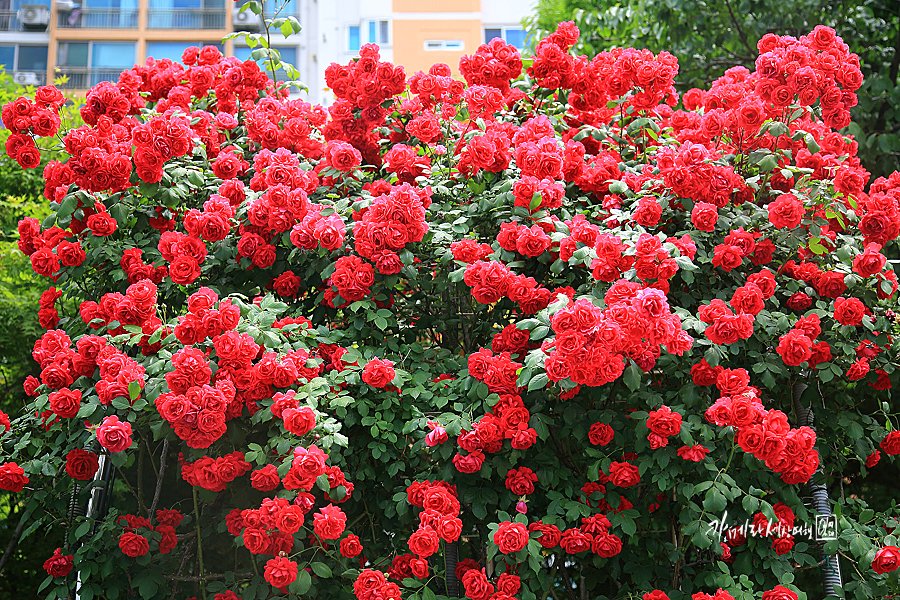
186 18
82 78
98 18
9 20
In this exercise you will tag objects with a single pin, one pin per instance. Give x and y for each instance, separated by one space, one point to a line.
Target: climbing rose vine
554 330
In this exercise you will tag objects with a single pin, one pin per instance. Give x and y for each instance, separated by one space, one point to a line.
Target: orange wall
410 36
416 6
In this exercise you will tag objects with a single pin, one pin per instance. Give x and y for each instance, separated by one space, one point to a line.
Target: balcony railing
186 18
9 20
98 18
82 78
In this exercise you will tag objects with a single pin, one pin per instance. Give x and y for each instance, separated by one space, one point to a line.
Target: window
353 44
88 63
514 36
378 32
445 45
186 14
174 50
23 58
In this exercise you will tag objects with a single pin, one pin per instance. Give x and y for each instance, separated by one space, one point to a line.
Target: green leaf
302 583
134 390
632 377
321 569
537 382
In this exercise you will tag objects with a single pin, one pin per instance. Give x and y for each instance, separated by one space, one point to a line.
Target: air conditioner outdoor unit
26 78
245 21
66 6
34 16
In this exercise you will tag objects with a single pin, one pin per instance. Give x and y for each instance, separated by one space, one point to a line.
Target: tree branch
159 477
740 31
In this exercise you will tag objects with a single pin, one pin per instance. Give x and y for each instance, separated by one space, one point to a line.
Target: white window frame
444 46
364 32
503 31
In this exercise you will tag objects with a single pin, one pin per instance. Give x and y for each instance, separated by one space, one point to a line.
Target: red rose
265 479
794 348
476 585
508 584
623 474
70 254
786 211
424 541
664 422
600 434
887 559
550 534
65 402
329 522
849 311
101 224
184 269
511 537
521 481
133 545
727 257
693 453
704 216
799 301
59 565
606 545
350 546
289 519
256 540
12 477
280 571
470 463
114 435
378 373
44 262
299 421
779 593
81 464
891 443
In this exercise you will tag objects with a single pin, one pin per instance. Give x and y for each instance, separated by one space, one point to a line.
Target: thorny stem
199 541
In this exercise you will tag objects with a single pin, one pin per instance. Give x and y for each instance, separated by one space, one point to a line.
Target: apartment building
93 40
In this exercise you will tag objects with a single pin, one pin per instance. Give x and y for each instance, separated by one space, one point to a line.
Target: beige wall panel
410 36
419 6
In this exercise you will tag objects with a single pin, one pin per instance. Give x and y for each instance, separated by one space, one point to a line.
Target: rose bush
525 335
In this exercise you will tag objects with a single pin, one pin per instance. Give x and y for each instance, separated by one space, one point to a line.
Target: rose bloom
329 522
779 593
511 537
424 541
280 571
693 453
886 560
623 474
58 565
891 443
12 477
265 479
133 545
114 435
350 546
600 434
65 402
81 464
378 373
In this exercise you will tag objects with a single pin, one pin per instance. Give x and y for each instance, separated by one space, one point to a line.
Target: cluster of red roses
24 118
136 308
591 344
719 595
39 245
439 520
361 87
652 262
214 473
391 222
352 278
690 171
203 321
134 543
494 64
513 340
491 281
764 433
158 140
289 124
611 75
